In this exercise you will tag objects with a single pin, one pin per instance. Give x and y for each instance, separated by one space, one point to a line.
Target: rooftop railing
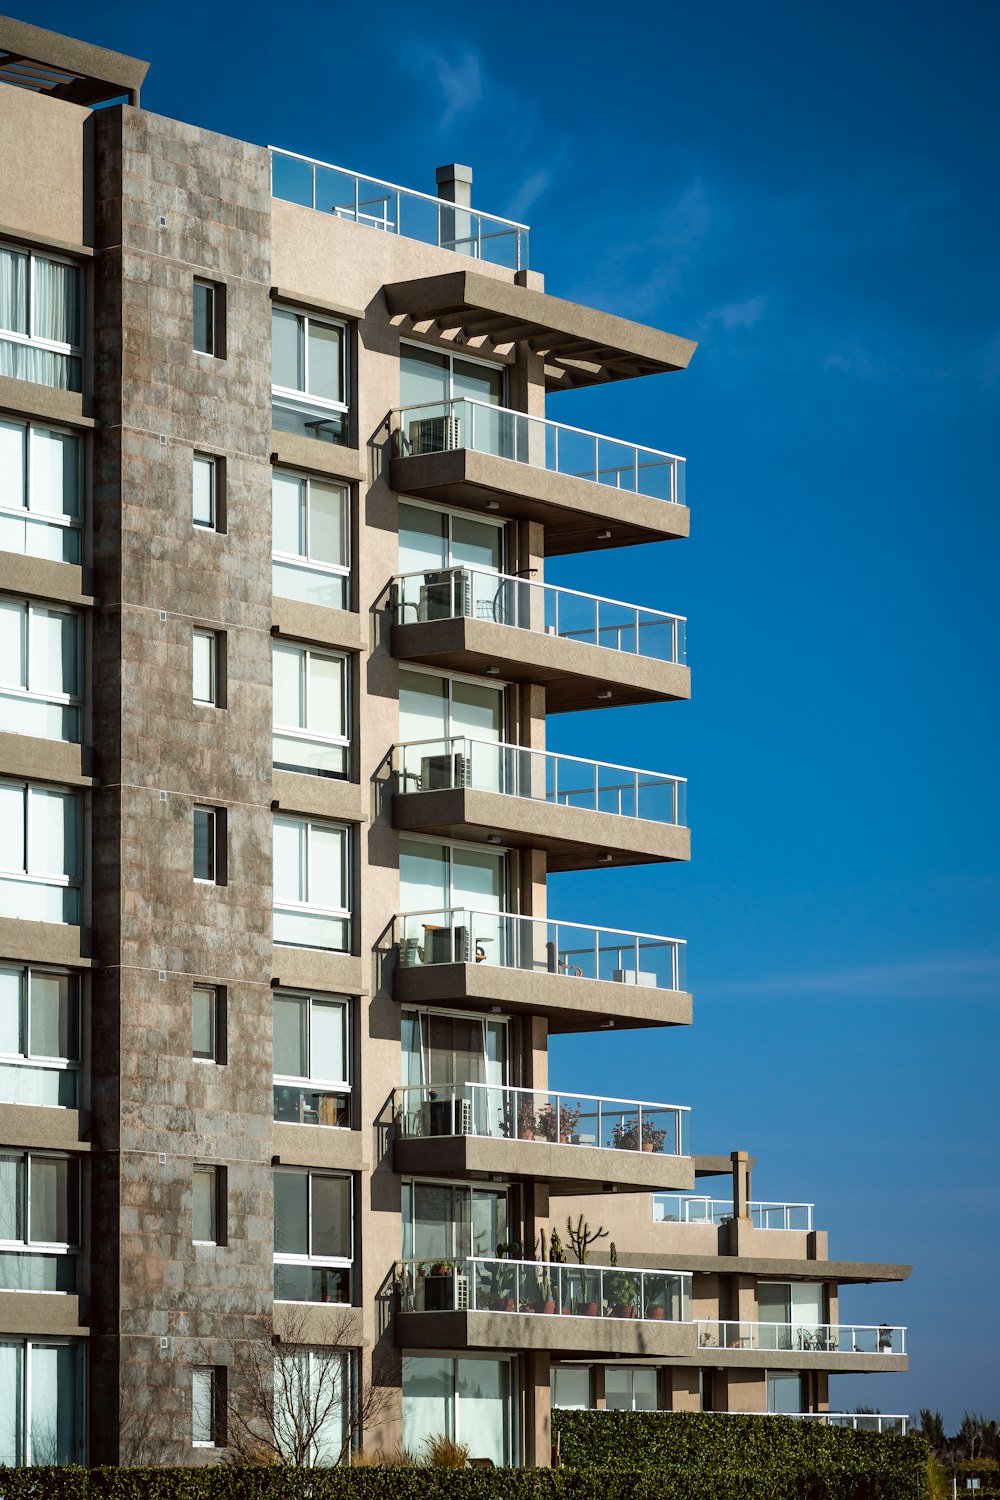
812 1338
548 609
680 1208
481 1284
448 935
398 210
440 426
457 761
502 1111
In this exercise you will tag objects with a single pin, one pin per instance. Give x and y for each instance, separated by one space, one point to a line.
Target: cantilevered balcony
581 977
585 650
583 813
841 1346
587 490
572 1141
501 1304
678 1208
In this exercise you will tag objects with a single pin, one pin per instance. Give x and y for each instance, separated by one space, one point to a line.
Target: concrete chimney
454 184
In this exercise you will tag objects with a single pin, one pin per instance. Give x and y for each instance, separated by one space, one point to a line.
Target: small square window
209 318
208 492
208 1406
208 659
209 851
208 1023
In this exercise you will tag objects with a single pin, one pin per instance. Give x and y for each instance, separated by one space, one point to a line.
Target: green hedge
761 1458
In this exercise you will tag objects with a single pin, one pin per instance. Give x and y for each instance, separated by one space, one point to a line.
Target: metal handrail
519 1286
805 1336
717 1210
527 416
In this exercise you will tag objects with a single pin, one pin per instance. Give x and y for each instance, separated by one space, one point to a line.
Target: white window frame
211 463
470 1188
40 1062
215 825
331 1262
27 692
31 340
213 1396
311 1083
32 515
303 732
24 1394
212 637
305 397
348 1359
302 560
306 907
450 356
216 304
205 1169
28 1245
21 872
214 991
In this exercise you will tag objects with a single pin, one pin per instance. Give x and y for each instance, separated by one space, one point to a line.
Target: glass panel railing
307 927
311 1104
574 950
305 417
38 1271
500 599
456 761
683 1208
35 899
897 1426
569 1119
544 1287
300 1281
441 426
811 1338
310 583
397 210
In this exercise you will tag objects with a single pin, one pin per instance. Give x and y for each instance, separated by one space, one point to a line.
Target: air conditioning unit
463 1117
442 772
461 1293
444 595
447 945
435 434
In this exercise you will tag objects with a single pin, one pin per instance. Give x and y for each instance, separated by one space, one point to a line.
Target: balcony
580 977
675 1208
497 1304
842 1346
572 1141
585 814
396 210
585 650
586 489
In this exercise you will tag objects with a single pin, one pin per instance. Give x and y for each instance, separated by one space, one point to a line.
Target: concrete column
538 1410
741 1184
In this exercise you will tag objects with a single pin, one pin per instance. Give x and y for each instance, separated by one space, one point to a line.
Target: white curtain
13 291
11 1398
54 652
483 1398
56 313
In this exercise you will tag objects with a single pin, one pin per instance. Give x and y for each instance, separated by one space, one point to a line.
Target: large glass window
310 540
40 319
39 1036
309 378
629 1389
311 1060
41 491
451 1221
571 1387
447 401
784 1393
448 728
40 864
311 884
41 1406
457 892
310 710
40 670
454 1050
471 1399
313 1236
39 1222
319 1385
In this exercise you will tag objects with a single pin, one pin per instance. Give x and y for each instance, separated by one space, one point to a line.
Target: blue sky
811 193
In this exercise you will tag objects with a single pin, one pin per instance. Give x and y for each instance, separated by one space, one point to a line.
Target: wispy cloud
459 81
974 976
731 315
533 188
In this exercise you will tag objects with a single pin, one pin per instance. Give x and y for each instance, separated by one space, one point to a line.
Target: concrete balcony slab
568 1169
549 1333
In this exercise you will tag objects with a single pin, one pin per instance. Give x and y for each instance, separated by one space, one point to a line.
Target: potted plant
620 1289
581 1237
526 1119
558 1128
629 1137
546 1301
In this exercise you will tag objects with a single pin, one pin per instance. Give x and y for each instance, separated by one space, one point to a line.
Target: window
41 1417
39 1036
449 562
571 1387
210 845
451 1221
311 884
450 402
209 1219
208 659
449 728
209 321
208 492
310 711
39 1222
40 670
472 1399
40 319
208 1406
457 895
311 1060
40 864
316 1385
310 547
629 1389
440 1051
313 1236
208 1023
41 491
784 1393
309 389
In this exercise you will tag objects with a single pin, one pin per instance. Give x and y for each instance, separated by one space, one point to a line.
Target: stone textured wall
156 931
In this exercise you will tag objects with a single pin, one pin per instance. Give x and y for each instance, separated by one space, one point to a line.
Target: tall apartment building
278 485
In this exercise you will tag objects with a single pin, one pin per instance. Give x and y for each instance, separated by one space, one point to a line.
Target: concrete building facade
278 483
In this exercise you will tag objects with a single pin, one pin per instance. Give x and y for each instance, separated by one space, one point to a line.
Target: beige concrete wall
44 157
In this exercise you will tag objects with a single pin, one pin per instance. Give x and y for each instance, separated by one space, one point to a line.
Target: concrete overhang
787 1267
553 1333
579 515
569 1170
573 673
48 63
799 1359
43 1314
314 1146
573 838
568 1004
581 346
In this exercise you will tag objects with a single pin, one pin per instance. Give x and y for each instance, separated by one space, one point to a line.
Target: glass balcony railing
456 761
398 210
681 1208
504 1112
440 426
500 599
525 1287
540 945
809 1338
896 1426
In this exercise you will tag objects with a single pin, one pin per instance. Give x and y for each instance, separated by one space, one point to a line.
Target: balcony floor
554 1333
569 1170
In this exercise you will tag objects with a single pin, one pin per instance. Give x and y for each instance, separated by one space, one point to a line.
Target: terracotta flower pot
647 1145
656 1313
526 1135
